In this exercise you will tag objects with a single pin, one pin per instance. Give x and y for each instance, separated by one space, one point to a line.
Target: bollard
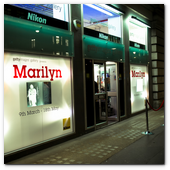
147 124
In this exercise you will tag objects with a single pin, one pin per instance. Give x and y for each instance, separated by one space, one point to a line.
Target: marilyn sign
37 98
35 73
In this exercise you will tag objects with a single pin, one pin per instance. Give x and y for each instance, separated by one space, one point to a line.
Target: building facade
70 69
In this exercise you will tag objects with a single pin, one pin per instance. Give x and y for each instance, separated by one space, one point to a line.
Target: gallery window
103 19
37 100
139 87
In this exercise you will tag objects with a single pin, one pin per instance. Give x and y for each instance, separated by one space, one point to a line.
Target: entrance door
112 89
100 97
101 93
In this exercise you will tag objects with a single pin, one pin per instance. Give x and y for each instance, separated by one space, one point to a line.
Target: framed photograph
46 92
33 94
38 93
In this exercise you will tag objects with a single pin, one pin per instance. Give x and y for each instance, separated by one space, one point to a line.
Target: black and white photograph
33 94
38 93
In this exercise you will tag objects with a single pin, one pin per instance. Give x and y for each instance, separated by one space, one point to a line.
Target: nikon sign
34 17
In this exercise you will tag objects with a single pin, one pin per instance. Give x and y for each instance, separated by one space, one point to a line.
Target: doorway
101 93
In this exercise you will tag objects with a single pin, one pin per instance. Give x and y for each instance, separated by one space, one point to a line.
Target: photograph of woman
32 93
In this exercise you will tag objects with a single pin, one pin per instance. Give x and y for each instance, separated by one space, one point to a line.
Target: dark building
90 65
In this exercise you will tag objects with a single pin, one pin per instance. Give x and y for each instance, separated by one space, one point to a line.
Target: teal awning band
27 36
95 48
138 56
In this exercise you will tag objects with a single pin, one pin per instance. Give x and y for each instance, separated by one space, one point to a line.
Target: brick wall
157 57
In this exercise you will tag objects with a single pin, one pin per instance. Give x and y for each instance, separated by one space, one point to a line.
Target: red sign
138 74
35 73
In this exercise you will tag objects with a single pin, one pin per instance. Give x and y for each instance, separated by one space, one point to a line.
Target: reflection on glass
33 43
111 79
67 42
99 78
100 110
57 39
100 103
98 18
111 76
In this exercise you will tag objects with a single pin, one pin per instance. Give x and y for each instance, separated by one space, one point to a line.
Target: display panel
137 33
57 11
37 99
101 17
139 87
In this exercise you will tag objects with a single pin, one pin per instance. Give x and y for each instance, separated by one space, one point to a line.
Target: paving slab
98 146
147 150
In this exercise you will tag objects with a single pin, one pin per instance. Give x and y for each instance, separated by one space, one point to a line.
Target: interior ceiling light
137 21
99 9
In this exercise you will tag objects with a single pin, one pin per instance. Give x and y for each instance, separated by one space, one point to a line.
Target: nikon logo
33 17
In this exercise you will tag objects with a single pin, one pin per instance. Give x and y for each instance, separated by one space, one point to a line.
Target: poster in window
38 93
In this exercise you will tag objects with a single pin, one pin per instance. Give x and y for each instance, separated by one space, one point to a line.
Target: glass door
100 93
112 89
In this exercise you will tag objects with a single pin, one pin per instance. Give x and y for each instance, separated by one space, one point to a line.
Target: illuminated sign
139 87
33 17
138 74
137 34
35 73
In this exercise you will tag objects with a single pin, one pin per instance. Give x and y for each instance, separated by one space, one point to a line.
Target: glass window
99 78
38 91
137 33
57 11
102 18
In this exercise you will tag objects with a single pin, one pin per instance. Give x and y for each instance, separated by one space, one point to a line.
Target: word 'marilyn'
138 74
35 73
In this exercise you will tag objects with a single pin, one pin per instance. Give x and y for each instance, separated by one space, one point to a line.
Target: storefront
38 97
103 53
139 60
69 70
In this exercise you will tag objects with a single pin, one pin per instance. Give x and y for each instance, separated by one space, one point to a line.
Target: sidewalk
147 150
121 143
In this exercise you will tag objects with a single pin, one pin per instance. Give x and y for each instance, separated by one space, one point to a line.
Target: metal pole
147 124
